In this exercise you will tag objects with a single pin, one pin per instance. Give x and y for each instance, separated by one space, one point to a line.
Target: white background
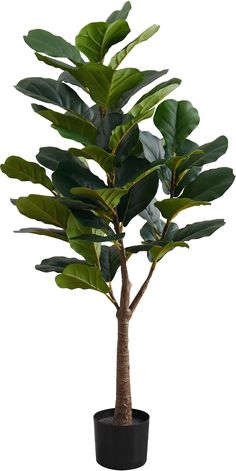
57 347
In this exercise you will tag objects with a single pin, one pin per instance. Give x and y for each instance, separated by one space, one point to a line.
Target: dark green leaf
43 208
210 152
109 262
154 150
74 127
176 120
82 276
54 233
122 131
89 250
95 39
120 14
109 197
171 207
154 96
132 170
153 217
108 123
55 46
138 198
16 167
121 55
71 174
107 86
50 157
198 229
57 264
148 77
56 93
210 185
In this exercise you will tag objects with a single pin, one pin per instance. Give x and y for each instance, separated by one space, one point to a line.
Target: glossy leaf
107 86
105 128
122 131
210 185
176 120
103 158
57 264
158 253
109 262
70 174
109 197
134 169
89 250
154 96
198 230
120 14
43 208
209 153
171 207
74 127
121 55
54 233
138 198
50 157
54 46
95 39
148 77
16 167
82 276
56 93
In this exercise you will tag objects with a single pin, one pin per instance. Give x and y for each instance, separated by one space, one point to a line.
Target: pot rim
137 413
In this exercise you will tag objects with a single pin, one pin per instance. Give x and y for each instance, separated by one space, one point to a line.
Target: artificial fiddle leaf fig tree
91 213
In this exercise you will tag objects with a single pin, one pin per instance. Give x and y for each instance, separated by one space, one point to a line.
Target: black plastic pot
121 447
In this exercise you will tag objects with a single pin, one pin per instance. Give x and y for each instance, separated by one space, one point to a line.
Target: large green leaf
172 206
57 264
54 233
176 120
210 185
107 86
139 196
95 39
148 77
198 229
56 93
158 253
43 208
134 169
103 158
122 131
50 157
105 128
121 55
206 154
154 96
89 250
120 14
70 174
55 46
109 197
82 276
74 127
109 261
16 167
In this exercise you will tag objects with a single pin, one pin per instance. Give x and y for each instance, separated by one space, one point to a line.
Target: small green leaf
107 86
57 264
171 207
103 158
54 233
43 208
89 250
95 39
82 276
120 56
210 185
74 127
154 96
120 14
198 230
16 167
109 261
176 120
55 46
158 253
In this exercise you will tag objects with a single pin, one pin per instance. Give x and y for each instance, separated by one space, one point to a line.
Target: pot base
121 447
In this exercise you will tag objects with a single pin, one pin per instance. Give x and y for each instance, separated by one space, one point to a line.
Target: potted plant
92 213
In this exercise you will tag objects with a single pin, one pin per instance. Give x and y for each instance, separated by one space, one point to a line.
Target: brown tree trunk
123 408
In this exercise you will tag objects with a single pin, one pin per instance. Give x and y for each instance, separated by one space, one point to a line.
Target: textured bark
123 408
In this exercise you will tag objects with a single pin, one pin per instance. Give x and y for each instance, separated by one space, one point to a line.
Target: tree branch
126 284
143 288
